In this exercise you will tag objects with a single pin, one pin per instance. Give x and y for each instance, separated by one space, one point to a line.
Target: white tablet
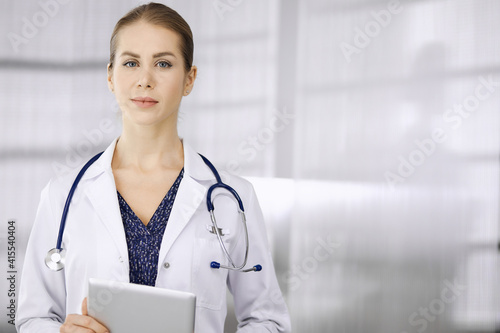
131 308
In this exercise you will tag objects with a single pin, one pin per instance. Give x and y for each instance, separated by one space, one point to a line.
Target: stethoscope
55 258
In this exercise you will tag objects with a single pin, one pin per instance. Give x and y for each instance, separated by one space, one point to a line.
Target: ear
189 80
110 79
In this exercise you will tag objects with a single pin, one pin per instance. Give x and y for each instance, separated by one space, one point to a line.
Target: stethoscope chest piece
55 259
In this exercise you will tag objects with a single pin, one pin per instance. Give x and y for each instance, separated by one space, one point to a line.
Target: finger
84 307
68 327
88 323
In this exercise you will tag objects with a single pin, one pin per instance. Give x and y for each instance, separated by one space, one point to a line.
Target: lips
144 102
144 99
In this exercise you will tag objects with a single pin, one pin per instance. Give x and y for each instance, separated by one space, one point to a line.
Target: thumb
84 307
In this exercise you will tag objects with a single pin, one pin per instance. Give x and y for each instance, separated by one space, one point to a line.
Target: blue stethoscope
55 257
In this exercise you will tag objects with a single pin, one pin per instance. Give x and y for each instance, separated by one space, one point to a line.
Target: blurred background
370 130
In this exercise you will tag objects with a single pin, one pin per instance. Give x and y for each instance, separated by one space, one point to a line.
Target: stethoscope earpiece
256 268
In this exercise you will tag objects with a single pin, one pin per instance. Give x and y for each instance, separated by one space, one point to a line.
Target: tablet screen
130 308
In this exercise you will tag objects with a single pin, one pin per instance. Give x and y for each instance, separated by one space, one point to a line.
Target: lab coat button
166 265
121 259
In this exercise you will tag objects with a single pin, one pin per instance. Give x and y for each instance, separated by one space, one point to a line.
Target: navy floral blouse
144 241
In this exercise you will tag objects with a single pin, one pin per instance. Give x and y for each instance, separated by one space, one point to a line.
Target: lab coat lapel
101 192
189 197
102 195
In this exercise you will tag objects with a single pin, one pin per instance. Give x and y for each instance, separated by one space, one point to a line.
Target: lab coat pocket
209 283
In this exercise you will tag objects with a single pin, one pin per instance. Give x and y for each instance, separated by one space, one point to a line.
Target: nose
146 79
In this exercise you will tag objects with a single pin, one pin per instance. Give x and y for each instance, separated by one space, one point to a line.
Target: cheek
174 84
121 80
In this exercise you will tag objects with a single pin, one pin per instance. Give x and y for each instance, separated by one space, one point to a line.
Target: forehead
144 38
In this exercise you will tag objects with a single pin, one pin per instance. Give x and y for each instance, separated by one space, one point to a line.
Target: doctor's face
148 77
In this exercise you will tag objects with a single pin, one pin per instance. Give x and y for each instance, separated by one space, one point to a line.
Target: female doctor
139 213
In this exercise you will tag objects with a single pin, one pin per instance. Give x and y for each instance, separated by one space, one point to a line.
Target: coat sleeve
258 301
42 293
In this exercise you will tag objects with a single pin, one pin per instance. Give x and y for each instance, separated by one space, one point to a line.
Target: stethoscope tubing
219 183
210 207
62 225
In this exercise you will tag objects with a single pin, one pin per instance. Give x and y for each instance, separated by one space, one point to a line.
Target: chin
148 118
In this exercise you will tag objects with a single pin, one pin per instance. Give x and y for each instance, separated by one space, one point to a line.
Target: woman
122 226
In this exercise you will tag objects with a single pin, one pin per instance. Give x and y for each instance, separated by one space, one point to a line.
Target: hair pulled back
160 15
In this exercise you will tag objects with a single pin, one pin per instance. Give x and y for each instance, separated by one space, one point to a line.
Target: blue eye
164 64
130 62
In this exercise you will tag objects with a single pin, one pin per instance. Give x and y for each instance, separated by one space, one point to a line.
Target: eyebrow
156 55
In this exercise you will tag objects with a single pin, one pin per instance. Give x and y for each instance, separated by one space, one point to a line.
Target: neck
148 148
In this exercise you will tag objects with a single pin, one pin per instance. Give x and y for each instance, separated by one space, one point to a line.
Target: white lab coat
96 247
